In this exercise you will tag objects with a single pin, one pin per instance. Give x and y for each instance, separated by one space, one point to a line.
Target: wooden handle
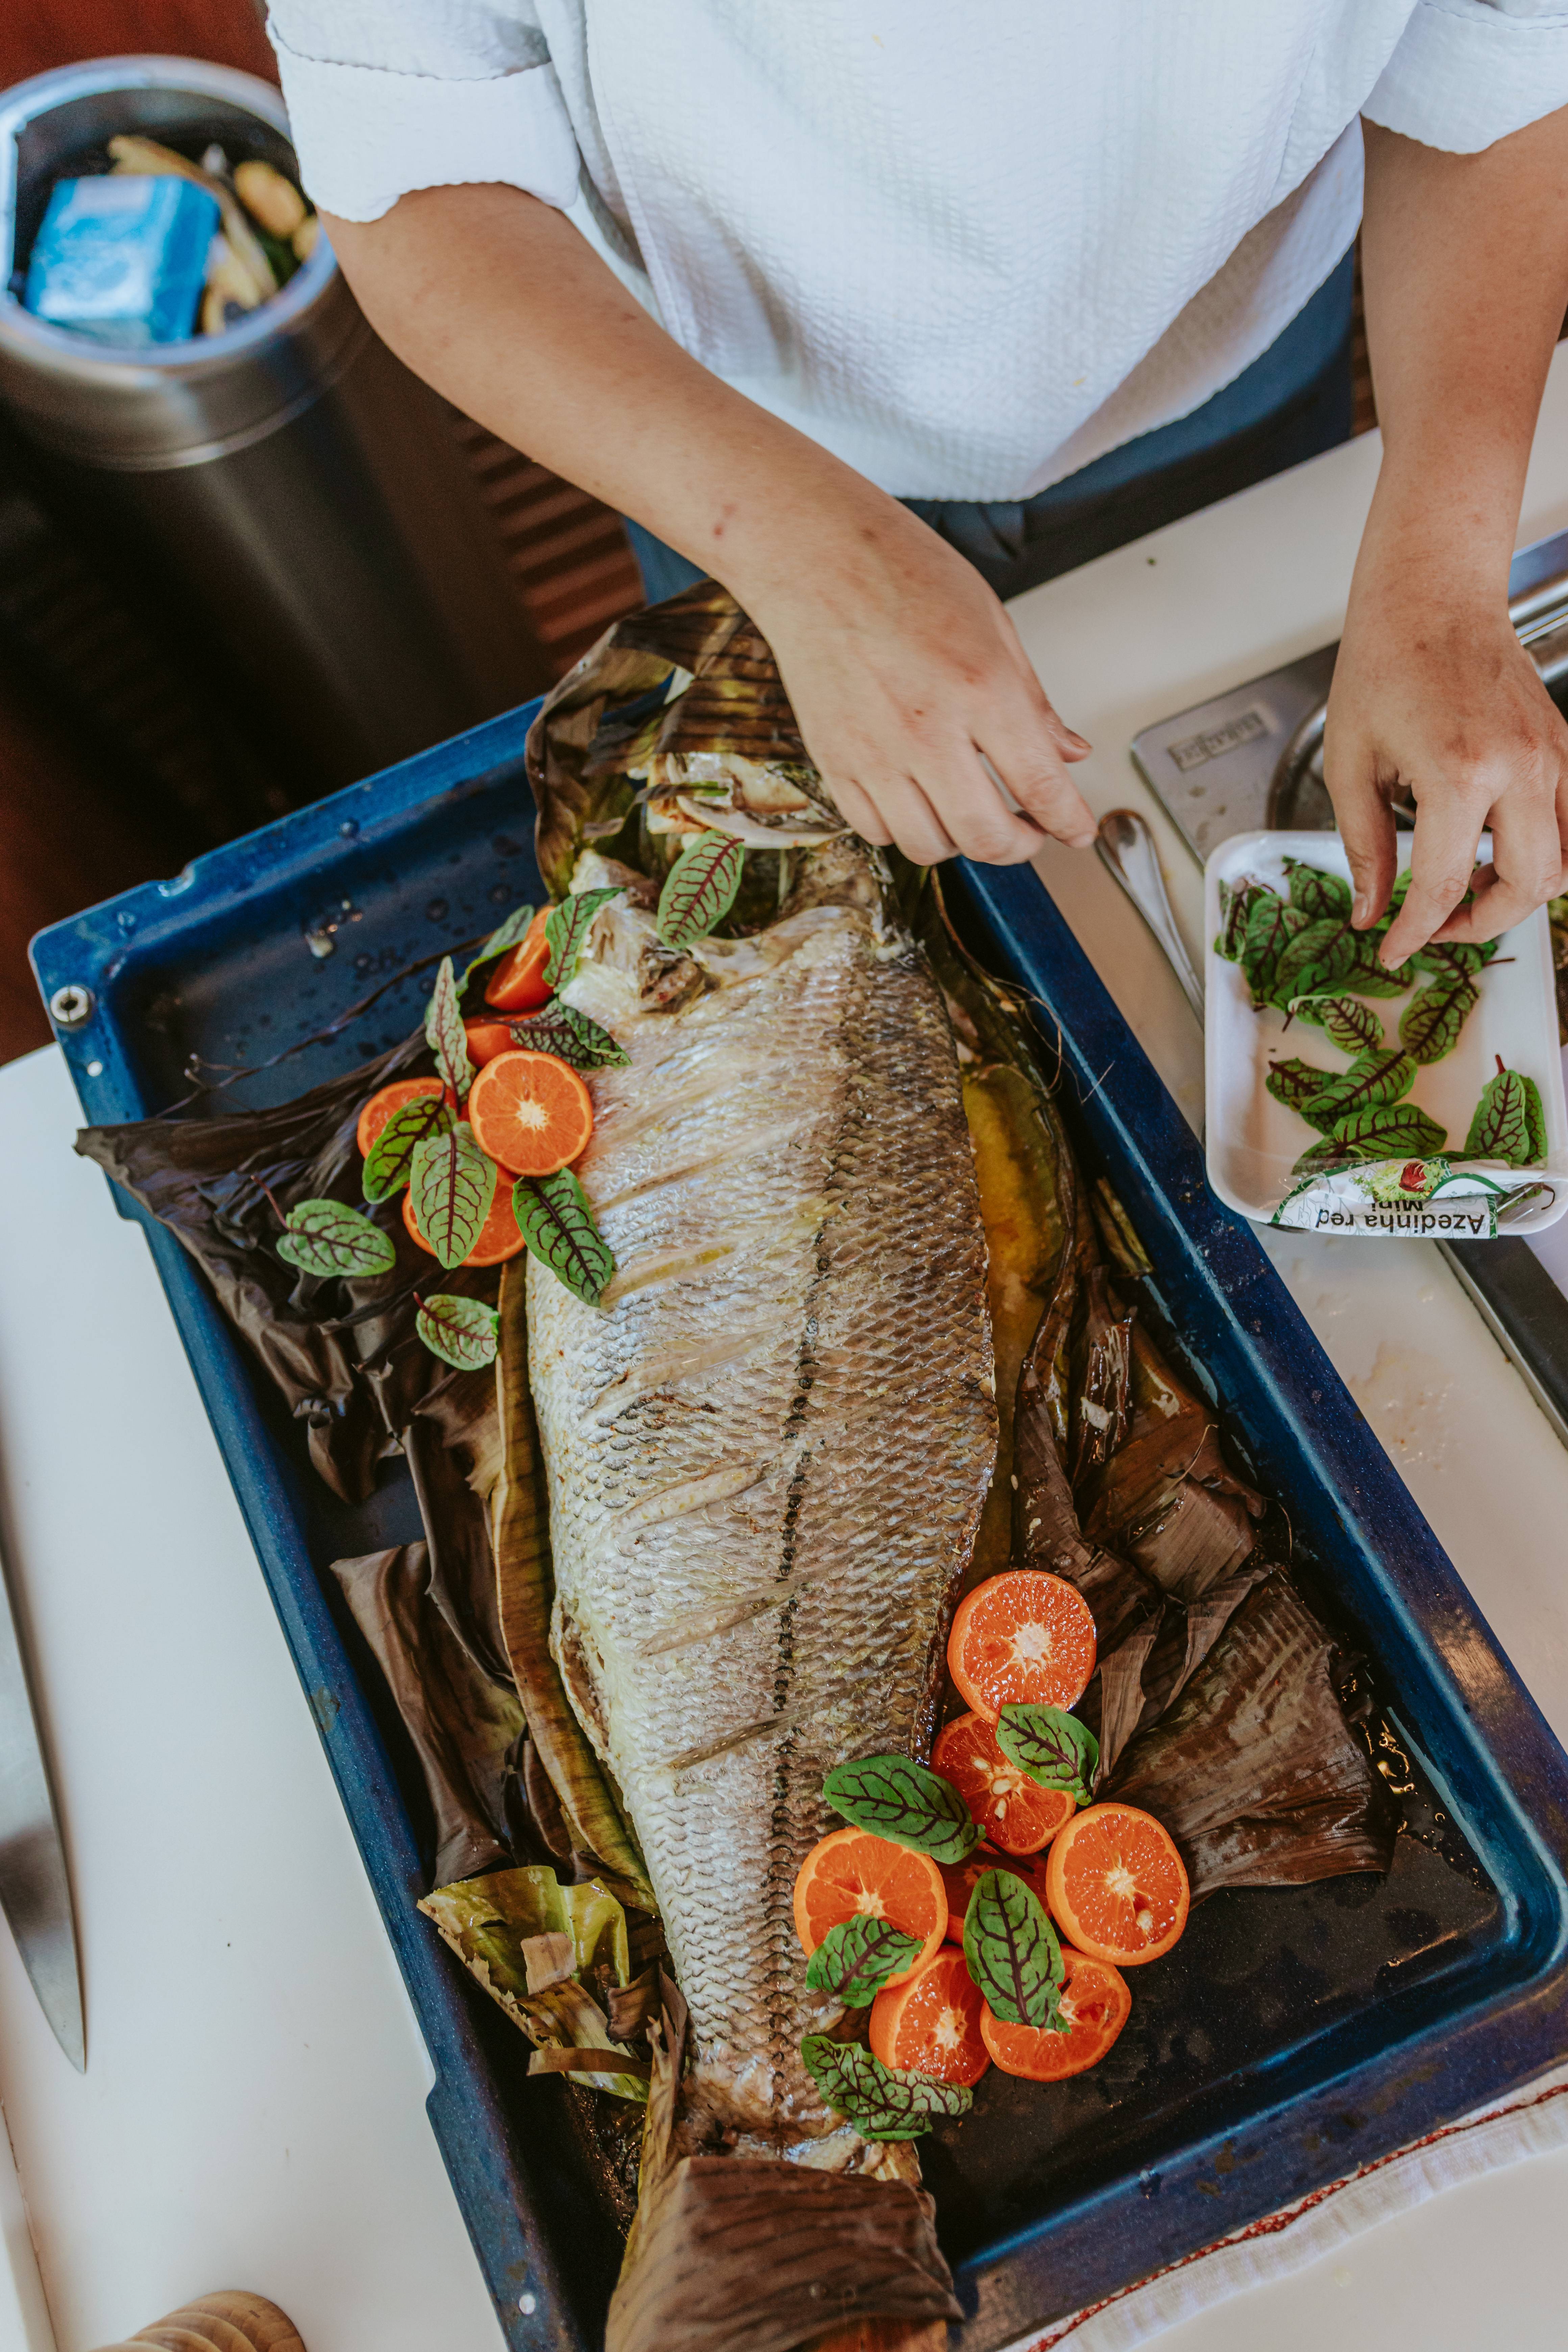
230 2321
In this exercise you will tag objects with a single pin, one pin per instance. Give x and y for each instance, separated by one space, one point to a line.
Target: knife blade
34 1887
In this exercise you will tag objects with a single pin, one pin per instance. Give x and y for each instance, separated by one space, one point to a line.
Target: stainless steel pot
293 496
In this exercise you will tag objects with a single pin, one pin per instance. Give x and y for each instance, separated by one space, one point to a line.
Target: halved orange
1116 1886
384 1102
1013 1812
930 2023
530 1112
498 1235
517 984
486 1040
1096 2005
959 1878
1025 1637
851 1871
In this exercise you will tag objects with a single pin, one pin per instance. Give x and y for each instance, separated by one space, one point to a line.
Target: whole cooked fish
768 1448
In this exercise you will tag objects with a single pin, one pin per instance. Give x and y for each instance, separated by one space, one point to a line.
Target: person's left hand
1434 697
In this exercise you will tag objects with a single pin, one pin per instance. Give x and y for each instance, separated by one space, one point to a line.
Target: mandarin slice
1009 1808
929 2022
851 1871
384 1102
1095 2003
517 984
1026 1637
532 1112
1116 1886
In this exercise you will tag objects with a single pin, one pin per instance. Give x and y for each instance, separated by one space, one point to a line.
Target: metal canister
287 493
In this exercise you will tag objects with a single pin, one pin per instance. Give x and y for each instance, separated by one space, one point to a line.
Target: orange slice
517 984
852 1870
530 1112
486 1040
929 2022
1025 1637
1013 1812
959 1878
1116 1886
1096 2004
384 1102
498 1235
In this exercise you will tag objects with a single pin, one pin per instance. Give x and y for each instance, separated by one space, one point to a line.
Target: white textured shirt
967 245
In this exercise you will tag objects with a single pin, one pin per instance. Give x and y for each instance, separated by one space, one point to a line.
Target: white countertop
252 2114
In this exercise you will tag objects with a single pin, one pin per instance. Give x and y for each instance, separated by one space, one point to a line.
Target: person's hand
1435 697
906 676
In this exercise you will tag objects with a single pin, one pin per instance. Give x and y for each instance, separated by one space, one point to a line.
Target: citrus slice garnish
530 1112
929 2022
1116 1886
517 984
852 1870
1025 1638
1095 2005
1013 1812
384 1102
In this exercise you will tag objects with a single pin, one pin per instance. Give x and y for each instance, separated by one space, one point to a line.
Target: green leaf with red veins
1235 906
1316 893
1396 1131
1508 1122
391 1156
572 1037
1297 1085
895 1798
566 928
464 1332
1052 1746
1012 1950
1454 959
856 1956
453 1183
326 1238
700 889
881 2101
1345 1021
507 935
1430 1024
1270 926
555 1221
444 1034
1382 1077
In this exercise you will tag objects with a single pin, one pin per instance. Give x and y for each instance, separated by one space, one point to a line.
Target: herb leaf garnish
1012 1950
453 1183
881 2101
463 1332
897 1799
700 889
391 1157
1430 1024
1509 1121
1297 1084
506 935
1398 1130
856 1956
1271 925
1316 893
555 1221
571 1037
1346 1021
1314 959
1052 1746
566 927
444 1034
324 1237
1382 1077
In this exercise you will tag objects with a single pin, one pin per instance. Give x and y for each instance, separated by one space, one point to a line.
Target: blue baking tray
1295 2033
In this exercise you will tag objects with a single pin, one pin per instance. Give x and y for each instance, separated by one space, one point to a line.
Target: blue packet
122 258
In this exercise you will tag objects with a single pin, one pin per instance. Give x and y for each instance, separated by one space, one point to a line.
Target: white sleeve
389 95
1469 71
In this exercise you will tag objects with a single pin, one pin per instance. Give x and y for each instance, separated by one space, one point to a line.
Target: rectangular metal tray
1295 2033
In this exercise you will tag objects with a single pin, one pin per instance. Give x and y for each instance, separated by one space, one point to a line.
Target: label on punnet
1407 1199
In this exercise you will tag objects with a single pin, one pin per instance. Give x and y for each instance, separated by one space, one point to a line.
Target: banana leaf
496 1926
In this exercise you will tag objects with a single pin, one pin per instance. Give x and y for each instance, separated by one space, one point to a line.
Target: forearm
1465 272
497 302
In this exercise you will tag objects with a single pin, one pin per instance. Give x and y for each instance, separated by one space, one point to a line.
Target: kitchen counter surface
252 2114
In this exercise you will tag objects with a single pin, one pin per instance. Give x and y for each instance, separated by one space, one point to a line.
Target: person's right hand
906 676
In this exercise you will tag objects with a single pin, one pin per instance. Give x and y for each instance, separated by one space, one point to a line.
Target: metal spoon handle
1126 850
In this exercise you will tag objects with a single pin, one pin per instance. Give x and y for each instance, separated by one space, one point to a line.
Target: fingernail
1082 740
1362 910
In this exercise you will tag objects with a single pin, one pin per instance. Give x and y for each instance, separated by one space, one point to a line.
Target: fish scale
756 1552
